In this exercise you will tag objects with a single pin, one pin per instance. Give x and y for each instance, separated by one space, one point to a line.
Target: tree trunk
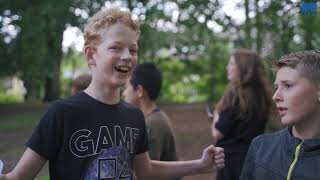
52 85
130 5
247 25
33 88
52 80
308 25
259 28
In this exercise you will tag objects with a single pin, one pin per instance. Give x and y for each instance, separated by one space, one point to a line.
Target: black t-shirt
86 139
238 133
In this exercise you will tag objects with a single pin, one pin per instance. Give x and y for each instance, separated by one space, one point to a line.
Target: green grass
19 121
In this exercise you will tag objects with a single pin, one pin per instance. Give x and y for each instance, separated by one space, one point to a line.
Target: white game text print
83 144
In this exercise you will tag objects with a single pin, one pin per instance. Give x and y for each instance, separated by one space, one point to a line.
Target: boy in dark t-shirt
142 91
94 135
99 137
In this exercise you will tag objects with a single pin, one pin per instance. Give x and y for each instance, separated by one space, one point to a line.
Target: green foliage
179 85
72 63
9 98
192 57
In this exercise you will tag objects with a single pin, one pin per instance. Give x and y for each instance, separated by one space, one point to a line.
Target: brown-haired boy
292 153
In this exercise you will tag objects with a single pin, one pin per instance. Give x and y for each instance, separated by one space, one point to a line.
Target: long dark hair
251 93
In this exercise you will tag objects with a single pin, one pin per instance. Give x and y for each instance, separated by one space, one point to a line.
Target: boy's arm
212 159
27 168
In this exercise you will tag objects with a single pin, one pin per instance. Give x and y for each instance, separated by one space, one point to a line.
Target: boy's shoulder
82 103
69 102
158 119
79 102
269 140
130 107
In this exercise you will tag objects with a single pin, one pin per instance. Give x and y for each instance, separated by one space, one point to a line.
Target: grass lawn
15 129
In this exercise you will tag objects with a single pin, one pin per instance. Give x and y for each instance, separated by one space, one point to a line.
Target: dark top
161 137
238 133
86 139
271 155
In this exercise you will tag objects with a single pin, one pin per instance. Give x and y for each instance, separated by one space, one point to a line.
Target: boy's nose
125 54
277 96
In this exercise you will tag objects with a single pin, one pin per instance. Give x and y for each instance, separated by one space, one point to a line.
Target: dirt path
192 128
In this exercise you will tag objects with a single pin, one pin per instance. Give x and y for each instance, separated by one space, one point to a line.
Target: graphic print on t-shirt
113 148
113 163
83 143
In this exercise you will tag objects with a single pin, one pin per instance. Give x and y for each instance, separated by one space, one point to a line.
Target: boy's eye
115 48
287 86
133 50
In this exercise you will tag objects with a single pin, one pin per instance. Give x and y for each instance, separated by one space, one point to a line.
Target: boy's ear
88 52
140 91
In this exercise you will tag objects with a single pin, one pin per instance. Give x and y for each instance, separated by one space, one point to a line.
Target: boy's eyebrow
118 42
283 81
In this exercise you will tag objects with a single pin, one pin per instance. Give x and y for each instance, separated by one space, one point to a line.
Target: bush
9 98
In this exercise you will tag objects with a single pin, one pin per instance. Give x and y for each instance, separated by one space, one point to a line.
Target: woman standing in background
242 112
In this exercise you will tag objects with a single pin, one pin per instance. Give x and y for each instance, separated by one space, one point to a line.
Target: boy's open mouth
122 69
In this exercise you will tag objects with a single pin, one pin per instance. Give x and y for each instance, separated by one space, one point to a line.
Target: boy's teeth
122 68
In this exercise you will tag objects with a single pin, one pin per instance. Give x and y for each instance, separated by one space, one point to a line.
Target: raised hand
212 159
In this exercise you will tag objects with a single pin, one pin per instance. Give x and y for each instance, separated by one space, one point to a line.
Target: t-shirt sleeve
46 137
161 140
155 140
142 144
226 120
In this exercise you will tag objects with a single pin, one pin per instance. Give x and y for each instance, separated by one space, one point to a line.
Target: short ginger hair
103 19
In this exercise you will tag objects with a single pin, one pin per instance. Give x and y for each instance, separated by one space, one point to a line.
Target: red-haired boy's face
296 97
116 56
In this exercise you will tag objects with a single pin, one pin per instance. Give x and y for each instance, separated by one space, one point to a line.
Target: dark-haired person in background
242 112
80 83
142 91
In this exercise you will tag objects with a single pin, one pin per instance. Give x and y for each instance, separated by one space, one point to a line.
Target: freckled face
116 56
